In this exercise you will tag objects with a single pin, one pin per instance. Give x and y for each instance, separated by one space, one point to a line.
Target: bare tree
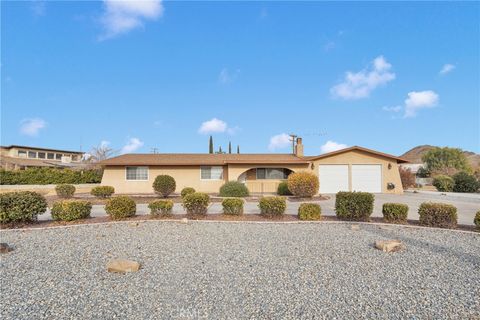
101 152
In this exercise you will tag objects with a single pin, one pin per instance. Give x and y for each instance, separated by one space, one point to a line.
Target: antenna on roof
293 138
154 150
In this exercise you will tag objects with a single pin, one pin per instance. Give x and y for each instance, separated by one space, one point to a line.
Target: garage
333 178
367 177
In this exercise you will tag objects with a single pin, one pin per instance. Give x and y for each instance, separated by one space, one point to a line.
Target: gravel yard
239 270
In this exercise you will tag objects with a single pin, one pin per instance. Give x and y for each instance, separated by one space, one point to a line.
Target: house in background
16 157
350 169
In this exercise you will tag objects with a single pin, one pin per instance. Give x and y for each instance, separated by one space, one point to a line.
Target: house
16 157
353 168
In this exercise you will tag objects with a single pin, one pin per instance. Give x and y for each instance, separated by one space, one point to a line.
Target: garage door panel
367 178
333 178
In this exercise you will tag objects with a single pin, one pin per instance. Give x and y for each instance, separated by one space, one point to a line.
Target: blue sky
386 76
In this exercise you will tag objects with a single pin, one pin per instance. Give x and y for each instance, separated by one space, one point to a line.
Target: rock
5 248
184 220
133 224
389 245
355 227
386 228
122 266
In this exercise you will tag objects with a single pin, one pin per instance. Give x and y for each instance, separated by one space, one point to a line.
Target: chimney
299 148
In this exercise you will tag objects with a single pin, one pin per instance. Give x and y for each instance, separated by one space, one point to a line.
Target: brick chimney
299 148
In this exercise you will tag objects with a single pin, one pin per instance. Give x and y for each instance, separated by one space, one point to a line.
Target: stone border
246 222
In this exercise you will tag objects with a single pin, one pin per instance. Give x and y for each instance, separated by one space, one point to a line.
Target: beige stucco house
350 169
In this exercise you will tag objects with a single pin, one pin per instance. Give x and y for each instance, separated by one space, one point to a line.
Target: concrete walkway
467 207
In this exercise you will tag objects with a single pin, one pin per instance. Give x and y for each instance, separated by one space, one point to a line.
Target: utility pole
293 138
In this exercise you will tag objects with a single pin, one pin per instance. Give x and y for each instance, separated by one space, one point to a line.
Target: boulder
355 227
389 245
5 248
122 266
184 220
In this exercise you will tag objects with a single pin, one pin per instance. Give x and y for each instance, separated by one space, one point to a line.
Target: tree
407 177
229 147
238 149
446 161
210 145
101 152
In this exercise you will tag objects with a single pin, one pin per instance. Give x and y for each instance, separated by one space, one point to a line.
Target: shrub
21 206
234 189
120 207
232 206
438 215
303 184
186 191
477 219
395 212
65 190
309 211
164 185
196 203
407 177
68 210
283 190
161 207
356 206
272 206
50 176
443 183
465 182
102 191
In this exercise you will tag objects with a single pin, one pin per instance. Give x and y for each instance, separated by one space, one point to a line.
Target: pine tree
229 147
238 149
220 150
210 145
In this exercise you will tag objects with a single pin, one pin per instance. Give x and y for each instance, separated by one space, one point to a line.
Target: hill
414 155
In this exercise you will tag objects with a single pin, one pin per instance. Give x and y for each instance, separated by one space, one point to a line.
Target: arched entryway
264 179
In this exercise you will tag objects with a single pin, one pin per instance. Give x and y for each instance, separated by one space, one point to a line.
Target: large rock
122 266
5 248
389 245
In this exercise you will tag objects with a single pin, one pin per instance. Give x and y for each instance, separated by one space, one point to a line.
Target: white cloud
122 16
132 145
330 146
227 76
393 109
213 126
359 85
31 127
419 100
447 68
279 141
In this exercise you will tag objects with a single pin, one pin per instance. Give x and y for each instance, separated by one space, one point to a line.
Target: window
22 153
74 158
51 156
41 155
211 173
137 173
272 173
58 156
32 154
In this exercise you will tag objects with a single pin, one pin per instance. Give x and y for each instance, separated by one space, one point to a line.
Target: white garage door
367 177
333 178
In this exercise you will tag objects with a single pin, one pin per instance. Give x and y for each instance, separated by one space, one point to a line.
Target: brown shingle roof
329 154
185 159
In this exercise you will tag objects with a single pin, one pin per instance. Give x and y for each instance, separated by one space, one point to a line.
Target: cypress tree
238 149
229 147
210 145
220 150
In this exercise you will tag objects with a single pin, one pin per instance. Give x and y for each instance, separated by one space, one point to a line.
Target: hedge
120 207
68 210
102 191
233 206
65 190
234 189
272 206
161 207
465 182
196 203
476 221
164 185
303 184
357 206
443 183
187 190
23 206
282 189
49 176
440 215
309 211
395 212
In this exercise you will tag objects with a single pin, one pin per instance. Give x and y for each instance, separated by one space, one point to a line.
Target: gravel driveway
238 271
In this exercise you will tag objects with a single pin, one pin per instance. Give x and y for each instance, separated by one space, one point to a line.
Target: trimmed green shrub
234 189
283 190
395 212
443 183
476 221
161 207
232 206
120 207
50 176
164 185
465 182
23 206
440 215
272 206
357 206
102 191
303 184
186 191
196 203
65 190
68 210
309 211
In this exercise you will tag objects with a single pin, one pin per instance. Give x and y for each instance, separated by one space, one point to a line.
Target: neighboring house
354 168
20 157
414 167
